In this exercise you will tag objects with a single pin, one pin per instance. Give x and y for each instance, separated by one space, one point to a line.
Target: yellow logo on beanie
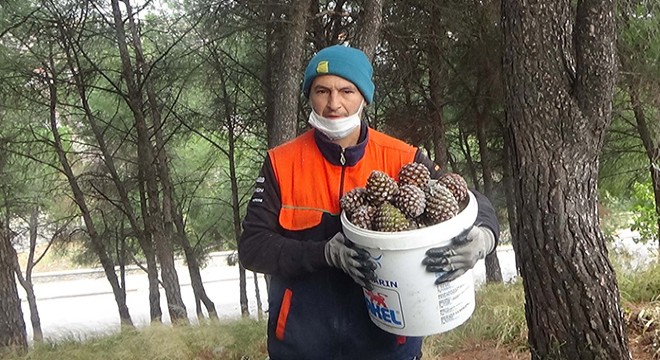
322 67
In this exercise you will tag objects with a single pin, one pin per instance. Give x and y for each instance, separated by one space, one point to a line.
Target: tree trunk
652 147
286 83
437 91
471 166
35 319
257 293
143 239
12 325
171 217
229 123
492 262
146 163
268 76
284 63
371 19
146 242
510 193
196 281
559 70
26 281
193 268
79 197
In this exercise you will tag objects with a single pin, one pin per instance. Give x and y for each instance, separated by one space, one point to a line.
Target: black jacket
315 311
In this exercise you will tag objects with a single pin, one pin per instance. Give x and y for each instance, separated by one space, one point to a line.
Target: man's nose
333 101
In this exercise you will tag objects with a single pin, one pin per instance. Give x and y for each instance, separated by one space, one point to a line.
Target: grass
499 317
498 320
215 340
641 286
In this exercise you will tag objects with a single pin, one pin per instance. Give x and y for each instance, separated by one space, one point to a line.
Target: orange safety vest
310 185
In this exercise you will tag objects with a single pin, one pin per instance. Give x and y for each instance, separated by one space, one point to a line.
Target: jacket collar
333 152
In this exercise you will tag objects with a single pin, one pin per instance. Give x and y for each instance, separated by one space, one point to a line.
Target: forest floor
489 352
643 324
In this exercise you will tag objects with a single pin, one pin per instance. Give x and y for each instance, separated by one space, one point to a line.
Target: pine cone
441 204
389 218
415 224
410 200
414 174
353 199
362 217
456 184
380 187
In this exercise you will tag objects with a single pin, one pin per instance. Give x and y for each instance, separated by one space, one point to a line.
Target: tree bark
559 70
143 239
371 19
79 197
174 226
146 163
437 90
26 281
471 166
193 268
285 90
233 179
492 262
12 326
257 293
510 192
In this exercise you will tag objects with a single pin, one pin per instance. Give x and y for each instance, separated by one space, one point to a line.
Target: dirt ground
641 348
486 353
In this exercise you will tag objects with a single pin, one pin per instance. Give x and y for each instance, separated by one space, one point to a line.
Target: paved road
80 304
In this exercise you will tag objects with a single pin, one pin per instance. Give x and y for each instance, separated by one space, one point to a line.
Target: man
292 229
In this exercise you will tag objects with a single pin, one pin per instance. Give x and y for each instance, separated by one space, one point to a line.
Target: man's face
332 96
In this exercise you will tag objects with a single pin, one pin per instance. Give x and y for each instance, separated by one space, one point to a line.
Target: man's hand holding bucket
461 255
355 262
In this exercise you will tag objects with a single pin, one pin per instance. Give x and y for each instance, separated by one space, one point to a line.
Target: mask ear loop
360 109
364 117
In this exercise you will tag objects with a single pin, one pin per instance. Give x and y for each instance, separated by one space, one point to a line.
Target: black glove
460 256
355 262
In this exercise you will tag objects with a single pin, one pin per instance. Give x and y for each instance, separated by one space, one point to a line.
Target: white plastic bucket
405 300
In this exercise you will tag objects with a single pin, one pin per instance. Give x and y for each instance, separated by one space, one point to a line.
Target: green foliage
645 217
614 214
623 160
639 38
204 192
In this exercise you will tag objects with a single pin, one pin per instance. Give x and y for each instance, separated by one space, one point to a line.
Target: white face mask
337 128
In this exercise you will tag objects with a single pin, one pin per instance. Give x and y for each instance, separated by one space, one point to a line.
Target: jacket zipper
340 326
342 161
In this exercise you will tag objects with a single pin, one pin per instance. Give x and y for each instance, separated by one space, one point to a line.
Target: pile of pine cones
412 203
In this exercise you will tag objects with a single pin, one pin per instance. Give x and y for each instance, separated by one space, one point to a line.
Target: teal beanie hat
343 61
